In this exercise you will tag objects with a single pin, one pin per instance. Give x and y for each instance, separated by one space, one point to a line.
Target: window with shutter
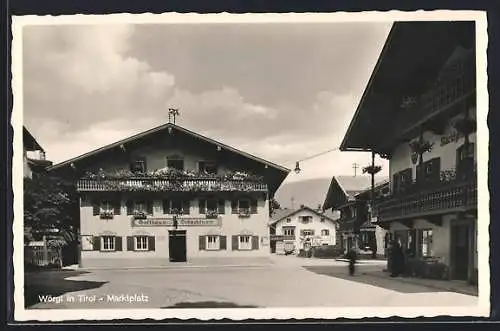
234 207
186 207
166 206
117 207
141 243
151 243
245 243
223 242
201 243
108 243
234 243
253 206
96 244
202 206
130 244
255 242
213 242
118 244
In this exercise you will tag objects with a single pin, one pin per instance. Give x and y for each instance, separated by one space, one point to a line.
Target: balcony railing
280 237
437 198
160 185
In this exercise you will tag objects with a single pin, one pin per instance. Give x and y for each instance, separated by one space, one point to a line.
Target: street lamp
297 169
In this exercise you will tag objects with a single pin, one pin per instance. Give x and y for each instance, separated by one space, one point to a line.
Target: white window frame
139 243
140 203
106 206
244 242
215 201
241 209
111 244
428 243
212 243
286 229
307 230
306 219
327 232
288 220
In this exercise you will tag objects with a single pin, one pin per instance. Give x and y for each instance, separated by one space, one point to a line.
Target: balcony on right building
419 112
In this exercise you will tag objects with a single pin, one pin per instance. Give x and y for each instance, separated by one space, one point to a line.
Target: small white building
294 229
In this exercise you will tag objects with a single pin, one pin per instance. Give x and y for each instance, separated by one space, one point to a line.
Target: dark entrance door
177 245
460 240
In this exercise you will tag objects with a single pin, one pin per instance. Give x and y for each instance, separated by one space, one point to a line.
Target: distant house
33 155
170 195
349 195
294 229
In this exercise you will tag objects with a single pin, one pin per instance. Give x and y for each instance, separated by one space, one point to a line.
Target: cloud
281 94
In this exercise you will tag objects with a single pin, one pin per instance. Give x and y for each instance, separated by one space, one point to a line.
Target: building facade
33 155
425 83
350 197
294 230
171 195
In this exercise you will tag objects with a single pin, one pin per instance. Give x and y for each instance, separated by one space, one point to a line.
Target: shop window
425 247
108 243
213 242
141 243
245 243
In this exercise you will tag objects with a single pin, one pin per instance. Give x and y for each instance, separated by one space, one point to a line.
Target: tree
50 206
273 205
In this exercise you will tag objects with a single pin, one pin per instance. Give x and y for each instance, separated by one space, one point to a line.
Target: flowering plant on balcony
448 175
244 212
106 214
211 214
421 146
372 169
140 215
465 126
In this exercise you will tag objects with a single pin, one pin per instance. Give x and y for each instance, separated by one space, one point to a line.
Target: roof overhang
410 60
274 173
29 142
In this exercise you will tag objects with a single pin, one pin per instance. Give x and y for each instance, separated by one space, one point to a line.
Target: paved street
288 282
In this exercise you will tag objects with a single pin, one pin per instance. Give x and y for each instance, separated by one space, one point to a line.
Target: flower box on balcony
243 213
212 214
140 215
106 215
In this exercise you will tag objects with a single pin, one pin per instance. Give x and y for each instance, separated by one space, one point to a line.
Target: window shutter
96 243
130 207
186 206
253 206
166 206
395 183
145 164
130 244
419 173
255 242
118 244
221 206
151 243
149 207
95 207
222 243
202 242
201 206
234 207
436 169
117 207
234 243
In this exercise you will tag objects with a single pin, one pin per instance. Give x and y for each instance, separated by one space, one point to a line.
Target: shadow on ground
53 283
363 276
209 304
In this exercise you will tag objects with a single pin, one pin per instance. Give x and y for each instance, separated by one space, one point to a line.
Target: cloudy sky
279 91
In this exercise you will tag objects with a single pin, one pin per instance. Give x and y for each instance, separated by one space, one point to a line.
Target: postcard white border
237 314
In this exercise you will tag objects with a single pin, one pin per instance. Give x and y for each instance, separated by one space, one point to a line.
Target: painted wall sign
180 222
450 138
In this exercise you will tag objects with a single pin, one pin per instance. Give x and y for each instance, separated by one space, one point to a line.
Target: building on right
419 112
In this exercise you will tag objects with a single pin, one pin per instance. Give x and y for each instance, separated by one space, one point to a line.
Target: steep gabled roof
281 214
344 188
29 142
277 173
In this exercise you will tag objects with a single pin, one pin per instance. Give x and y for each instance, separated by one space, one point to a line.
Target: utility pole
355 166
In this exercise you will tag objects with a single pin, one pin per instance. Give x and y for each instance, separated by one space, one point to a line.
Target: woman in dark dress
351 255
397 258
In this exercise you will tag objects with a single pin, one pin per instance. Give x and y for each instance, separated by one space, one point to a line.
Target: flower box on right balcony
244 213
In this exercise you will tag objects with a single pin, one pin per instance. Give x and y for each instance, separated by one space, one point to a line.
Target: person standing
397 258
351 255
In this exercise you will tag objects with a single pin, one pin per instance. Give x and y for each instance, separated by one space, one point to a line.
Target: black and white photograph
280 166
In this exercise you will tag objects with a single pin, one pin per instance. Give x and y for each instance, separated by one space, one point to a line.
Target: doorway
460 251
177 245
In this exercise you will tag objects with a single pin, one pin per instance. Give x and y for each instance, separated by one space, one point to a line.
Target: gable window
138 165
305 219
108 243
213 242
289 231
325 232
208 167
322 220
176 206
141 243
289 220
175 162
245 243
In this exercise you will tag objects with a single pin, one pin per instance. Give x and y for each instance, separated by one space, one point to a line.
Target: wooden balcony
276 237
431 199
165 185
